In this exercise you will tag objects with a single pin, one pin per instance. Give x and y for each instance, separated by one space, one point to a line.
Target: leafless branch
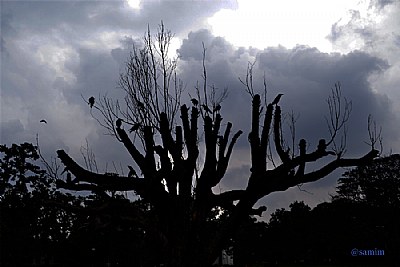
52 167
292 119
339 113
248 81
151 87
89 157
375 134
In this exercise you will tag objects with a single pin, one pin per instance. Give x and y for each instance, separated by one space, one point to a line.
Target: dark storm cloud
381 3
77 17
376 33
54 52
305 76
57 51
10 128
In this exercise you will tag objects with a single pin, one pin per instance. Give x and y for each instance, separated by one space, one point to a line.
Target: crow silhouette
277 98
118 123
217 108
91 101
43 121
135 127
194 101
207 109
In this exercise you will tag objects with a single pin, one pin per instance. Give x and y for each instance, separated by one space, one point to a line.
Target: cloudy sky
55 52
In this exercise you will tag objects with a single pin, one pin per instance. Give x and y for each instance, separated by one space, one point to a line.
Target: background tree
42 226
364 214
32 229
377 183
169 178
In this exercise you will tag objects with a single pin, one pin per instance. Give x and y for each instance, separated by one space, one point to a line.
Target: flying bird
91 101
194 101
207 109
135 127
43 121
118 123
277 98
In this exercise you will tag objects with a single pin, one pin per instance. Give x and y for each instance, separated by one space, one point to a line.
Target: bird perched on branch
91 101
135 127
217 108
118 123
43 121
276 100
206 109
194 101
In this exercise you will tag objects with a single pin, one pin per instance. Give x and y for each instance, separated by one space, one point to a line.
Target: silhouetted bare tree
179 192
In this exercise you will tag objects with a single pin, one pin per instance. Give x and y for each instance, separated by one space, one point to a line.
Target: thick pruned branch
223 160
281 178
265 135
337 163
254 137
283 155
101 181
133 151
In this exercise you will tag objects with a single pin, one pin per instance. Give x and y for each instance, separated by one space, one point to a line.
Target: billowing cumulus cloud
57 54
375 31
305 76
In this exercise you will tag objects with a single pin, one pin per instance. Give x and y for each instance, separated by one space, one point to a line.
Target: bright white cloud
288 22
135 4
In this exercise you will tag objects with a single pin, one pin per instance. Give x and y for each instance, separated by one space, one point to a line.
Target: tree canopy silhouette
32 228
172 181
377 183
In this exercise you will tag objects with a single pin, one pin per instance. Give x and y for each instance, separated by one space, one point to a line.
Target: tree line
41 226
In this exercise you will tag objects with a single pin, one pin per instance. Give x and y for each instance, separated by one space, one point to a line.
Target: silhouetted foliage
41 226
32 228
377 183
364 215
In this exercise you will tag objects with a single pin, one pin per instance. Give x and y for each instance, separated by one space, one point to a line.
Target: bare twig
339 113
248 81
375 134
